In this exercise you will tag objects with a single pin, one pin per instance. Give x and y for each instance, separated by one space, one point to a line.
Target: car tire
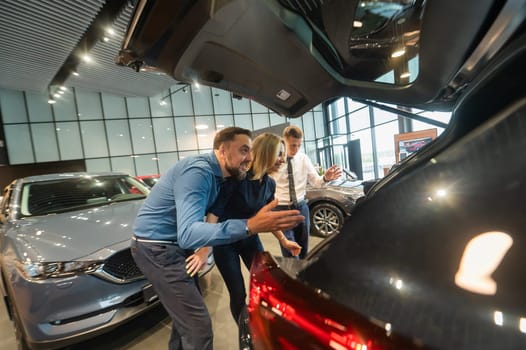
325 219
19 331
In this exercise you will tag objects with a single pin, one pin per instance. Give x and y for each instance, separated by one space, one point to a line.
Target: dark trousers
164 266
227 261
300 233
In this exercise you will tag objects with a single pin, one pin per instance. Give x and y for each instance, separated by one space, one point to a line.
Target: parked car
65 264
150 180
332 204
433 256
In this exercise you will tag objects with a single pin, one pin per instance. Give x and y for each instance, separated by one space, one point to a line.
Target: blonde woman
246 197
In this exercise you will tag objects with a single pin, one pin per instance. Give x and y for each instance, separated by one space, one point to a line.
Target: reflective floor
152 330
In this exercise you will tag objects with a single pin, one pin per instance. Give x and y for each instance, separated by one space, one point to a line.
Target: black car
433 256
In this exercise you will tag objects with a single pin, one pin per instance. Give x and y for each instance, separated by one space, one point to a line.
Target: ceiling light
105 39
86 58
201 126
75 73
162 103
357 24
110 31
56 95
51 101
283 95
61 92
196 85
405 75
63 88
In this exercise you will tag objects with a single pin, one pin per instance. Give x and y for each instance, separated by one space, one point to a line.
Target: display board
410 142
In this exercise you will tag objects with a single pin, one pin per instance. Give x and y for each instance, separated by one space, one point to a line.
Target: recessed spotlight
86 58
51 101
75 73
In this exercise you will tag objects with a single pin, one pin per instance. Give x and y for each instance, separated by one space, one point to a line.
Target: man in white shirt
291 194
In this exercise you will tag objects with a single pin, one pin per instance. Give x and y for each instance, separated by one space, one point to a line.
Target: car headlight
45 270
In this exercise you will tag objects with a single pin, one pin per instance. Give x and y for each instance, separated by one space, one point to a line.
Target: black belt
291 205
158 241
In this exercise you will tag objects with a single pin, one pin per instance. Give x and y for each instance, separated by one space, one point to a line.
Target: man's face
237 156
293 146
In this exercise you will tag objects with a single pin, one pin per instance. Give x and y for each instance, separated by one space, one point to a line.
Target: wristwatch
247 230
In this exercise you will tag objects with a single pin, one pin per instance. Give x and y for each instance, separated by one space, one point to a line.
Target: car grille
122 267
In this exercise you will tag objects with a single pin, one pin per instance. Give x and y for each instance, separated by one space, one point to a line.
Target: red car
150 180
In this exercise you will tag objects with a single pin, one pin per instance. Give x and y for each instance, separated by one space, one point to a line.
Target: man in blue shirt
170 226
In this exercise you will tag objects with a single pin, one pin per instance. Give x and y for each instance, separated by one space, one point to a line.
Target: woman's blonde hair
265 150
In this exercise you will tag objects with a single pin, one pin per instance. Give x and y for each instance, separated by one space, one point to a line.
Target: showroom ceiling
43 42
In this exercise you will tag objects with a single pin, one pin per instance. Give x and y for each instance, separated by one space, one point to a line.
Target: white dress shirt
304 173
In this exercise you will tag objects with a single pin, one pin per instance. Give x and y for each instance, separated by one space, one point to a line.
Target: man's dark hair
228 134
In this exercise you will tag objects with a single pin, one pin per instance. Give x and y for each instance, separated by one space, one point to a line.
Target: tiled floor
152 330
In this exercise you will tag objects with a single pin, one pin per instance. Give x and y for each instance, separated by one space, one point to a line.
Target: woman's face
280 158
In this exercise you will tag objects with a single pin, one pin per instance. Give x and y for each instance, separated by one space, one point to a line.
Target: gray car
66 269
330 205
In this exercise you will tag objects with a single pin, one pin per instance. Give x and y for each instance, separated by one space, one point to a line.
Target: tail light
286 314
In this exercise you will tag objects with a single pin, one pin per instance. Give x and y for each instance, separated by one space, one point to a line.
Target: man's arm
192 195
313 178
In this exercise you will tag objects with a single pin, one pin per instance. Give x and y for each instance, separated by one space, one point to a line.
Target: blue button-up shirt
176 207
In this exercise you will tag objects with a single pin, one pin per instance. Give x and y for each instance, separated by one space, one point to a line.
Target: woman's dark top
242 199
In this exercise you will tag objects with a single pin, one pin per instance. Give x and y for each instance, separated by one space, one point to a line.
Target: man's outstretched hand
267 220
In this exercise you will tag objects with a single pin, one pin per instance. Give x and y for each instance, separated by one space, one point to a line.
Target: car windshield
150 181
55 196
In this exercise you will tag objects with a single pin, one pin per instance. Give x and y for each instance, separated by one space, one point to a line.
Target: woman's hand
293 247
196 261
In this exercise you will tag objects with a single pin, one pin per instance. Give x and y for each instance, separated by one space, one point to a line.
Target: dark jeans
300 233
164 266
227 261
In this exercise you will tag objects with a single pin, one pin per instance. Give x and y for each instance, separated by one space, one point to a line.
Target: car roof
291 55
152 176
71 175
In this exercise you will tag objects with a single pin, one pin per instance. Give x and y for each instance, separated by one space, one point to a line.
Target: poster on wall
411 142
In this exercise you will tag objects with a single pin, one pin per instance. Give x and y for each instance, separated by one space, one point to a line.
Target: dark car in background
433 256
66 270
332 204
